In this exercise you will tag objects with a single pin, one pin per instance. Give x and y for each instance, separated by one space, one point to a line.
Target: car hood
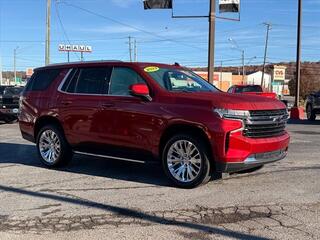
233 101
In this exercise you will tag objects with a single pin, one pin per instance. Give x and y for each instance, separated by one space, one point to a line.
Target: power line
128 25
63 28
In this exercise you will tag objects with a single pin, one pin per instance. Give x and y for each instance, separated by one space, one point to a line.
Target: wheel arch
46 120
184 128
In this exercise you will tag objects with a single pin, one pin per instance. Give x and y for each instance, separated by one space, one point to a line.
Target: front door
134 120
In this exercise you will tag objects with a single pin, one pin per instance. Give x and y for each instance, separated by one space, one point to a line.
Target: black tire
204 172
311 115
65 154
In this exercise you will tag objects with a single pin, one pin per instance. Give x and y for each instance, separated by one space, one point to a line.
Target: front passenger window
121 79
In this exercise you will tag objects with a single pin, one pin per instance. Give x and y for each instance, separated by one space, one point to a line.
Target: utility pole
130 49
48 23
212 29
15 64
135 51
265 53
298 66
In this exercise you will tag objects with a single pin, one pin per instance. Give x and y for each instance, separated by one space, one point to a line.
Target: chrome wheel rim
184 161
49 146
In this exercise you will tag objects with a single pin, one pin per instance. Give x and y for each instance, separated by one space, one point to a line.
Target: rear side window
88 81
121 79
42 79
71 81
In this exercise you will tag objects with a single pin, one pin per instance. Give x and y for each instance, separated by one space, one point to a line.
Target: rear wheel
311 115
52 146
185 161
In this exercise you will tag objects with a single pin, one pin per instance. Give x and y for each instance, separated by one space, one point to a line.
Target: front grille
7 100
264 124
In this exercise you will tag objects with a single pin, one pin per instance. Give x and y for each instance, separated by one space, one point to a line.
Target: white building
255 79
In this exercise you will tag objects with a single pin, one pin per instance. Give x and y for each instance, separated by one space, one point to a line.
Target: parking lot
99 199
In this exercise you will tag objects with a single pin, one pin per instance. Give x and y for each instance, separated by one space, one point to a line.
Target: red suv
144 112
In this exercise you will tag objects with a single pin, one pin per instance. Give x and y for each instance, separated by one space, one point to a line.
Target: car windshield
248 89
13 90
179 80
2 90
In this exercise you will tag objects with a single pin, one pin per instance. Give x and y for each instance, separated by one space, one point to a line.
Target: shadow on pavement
304 122
143 173
130 213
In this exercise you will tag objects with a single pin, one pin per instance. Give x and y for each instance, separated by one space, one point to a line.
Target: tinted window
13 90
230 90
42 79
248 89
73 79
2 90
69 78
121 79
92 80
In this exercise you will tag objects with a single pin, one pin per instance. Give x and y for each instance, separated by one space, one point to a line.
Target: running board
116 158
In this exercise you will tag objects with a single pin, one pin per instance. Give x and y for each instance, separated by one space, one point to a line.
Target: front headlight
232 114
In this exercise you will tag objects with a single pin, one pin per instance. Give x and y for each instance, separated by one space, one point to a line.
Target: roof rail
82 62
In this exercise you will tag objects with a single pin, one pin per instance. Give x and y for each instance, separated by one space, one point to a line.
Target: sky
106 25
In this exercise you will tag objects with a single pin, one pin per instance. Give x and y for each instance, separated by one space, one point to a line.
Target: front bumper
11 113
254 160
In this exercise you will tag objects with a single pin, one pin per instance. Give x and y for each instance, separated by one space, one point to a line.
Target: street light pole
243 67
47 47
15 64
236 46
212 27
298 65
265 53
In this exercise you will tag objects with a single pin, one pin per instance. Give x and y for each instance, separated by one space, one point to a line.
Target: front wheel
186 162
52 146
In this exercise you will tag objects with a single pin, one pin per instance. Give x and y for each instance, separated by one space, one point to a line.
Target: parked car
9 103
143 112
313 106
257 90
251 90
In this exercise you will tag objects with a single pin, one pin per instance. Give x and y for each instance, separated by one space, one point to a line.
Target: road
100 199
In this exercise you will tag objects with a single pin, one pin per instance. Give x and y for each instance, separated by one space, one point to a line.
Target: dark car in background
9 103
313 106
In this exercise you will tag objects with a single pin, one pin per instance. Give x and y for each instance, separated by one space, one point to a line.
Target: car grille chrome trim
264 124
266 157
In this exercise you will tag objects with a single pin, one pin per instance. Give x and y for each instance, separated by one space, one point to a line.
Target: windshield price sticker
151 69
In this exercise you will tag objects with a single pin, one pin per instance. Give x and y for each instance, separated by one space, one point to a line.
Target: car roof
105 62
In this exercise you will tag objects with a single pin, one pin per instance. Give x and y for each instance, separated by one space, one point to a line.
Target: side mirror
140 90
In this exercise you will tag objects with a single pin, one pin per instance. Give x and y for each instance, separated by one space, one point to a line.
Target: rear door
79 105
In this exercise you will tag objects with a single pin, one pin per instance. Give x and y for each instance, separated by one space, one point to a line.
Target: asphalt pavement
95 198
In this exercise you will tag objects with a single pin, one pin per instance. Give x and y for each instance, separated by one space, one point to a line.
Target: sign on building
232 6
29 72
279 73
74 48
